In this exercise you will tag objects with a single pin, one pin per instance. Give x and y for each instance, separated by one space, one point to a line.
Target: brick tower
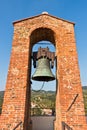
70 113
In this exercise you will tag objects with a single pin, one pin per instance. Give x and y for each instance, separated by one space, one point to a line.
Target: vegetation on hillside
85 98
44 100
1 99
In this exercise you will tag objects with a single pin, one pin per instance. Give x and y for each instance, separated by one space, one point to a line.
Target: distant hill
85 97
1 99
1 93
84 87
45 99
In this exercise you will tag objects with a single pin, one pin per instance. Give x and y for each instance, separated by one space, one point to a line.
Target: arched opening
42 34
43 93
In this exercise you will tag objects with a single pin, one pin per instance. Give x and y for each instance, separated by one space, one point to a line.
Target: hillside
85 97
1 99
44 101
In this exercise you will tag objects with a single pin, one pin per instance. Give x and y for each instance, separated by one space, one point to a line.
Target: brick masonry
69 98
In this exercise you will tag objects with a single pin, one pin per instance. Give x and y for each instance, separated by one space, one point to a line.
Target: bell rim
43 78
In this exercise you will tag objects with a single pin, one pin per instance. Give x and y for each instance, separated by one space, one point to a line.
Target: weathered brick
69 107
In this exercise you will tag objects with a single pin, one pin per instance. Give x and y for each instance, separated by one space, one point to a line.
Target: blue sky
72 10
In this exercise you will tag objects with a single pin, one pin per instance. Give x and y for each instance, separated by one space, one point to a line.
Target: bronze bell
42 60
43 71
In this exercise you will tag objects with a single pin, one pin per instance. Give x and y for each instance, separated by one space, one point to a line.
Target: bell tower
70 113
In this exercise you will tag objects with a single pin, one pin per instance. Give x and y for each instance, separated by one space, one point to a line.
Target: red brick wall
69 99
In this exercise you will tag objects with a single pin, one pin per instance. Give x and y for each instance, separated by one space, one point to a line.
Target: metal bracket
72 102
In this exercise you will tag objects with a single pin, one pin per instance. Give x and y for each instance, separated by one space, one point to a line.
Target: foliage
1 100
45 99
36 111
85 98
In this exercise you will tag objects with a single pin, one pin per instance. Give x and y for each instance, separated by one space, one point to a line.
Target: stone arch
40 34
